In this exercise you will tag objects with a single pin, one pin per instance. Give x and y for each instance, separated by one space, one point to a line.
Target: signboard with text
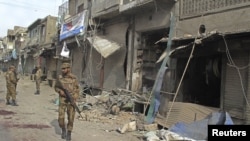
73 26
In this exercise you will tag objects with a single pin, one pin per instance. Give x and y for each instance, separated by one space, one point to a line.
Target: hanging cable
178 88
237 68
184 72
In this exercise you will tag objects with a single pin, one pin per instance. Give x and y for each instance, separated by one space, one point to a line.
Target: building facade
122 44
40 45
217 75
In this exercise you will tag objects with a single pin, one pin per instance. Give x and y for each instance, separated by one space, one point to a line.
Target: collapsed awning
104 46
203 47
184 50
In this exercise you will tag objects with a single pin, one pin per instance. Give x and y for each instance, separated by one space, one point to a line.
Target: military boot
14 103
37 92
68 138
63 135
8 102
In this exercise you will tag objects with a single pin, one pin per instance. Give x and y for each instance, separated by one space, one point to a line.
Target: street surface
35 119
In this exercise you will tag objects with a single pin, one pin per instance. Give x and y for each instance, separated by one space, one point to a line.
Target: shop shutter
234 101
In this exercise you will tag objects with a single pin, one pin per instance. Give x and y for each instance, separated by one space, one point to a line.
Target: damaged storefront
49 62
72 47
217 74
97 55
151 35
106 63
27 60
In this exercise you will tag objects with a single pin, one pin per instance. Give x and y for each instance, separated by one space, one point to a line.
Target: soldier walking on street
70 83
38 76
11 82
33 73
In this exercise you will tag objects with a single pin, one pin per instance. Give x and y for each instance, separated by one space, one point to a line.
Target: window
193 8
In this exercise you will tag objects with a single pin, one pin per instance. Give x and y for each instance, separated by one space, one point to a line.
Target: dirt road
35 119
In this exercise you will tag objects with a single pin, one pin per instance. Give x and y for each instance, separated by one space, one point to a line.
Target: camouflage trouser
38 81
11 92
66 107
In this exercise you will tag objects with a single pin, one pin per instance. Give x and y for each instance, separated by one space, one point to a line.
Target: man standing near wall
69 82
11 82
38 76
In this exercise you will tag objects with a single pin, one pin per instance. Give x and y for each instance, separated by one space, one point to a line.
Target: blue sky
25 12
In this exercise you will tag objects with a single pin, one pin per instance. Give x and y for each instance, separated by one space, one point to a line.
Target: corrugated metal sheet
212 36
103 46
233 96
185 112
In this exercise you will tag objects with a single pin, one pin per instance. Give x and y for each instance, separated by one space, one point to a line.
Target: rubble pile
115 107
97 116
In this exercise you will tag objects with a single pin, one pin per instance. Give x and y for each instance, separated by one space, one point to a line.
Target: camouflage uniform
38 76
70 83
11 82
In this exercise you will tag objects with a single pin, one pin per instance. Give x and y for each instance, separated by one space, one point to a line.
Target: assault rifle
69 97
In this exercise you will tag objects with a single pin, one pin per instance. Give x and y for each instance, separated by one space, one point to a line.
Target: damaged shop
97 58
215 61
217 75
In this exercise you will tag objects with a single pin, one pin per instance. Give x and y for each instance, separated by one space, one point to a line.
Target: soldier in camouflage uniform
11 82
69 82
38 76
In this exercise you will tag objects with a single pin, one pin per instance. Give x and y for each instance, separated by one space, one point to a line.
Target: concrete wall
113 69
227 21
72 10
73 4
51 29
154 19
77 60
114 76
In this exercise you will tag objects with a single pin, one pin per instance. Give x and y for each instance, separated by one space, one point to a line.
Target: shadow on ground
57 129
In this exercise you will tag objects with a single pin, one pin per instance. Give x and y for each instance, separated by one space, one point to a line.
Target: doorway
201 83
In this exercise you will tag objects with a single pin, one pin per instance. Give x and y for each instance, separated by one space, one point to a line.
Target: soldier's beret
65 65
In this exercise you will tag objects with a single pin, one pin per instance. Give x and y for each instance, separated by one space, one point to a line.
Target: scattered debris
115 110
198 129
128 127
151 127
116 107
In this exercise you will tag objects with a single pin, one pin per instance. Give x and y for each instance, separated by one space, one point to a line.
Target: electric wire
231 62
184 72
178 88
28 7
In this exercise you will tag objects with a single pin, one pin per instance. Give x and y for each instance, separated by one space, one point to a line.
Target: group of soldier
66 79
11 84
